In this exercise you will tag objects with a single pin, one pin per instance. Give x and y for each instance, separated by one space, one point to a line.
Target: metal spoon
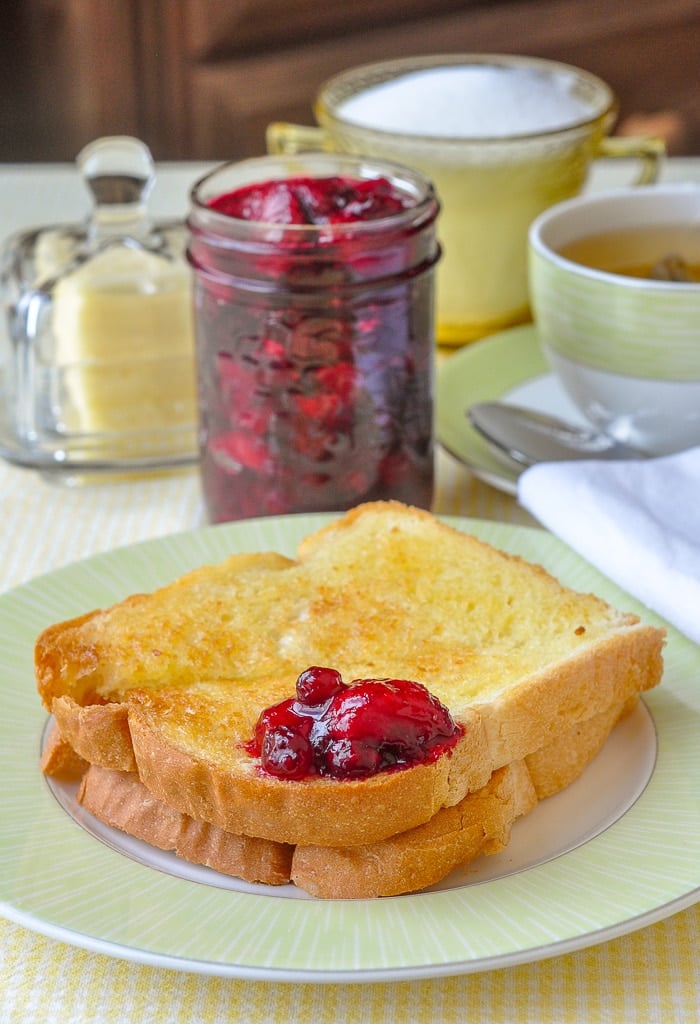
527 436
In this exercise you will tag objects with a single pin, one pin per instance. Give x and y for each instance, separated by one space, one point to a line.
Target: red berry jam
314 327
351 731
305 200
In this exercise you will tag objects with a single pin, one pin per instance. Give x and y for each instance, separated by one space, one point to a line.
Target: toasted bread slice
479 824
119 799
178 678
59 760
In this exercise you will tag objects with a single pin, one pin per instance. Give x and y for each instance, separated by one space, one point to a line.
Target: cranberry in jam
314 328
351 731
304 200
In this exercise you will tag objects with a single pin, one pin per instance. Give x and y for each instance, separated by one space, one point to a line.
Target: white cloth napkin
637 521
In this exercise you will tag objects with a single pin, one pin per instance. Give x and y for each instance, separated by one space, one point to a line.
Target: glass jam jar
314 334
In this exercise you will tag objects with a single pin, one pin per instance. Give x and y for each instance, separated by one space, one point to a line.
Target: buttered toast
169 686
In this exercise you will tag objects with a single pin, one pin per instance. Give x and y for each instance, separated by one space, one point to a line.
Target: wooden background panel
217 30
650 58
201 79
72 69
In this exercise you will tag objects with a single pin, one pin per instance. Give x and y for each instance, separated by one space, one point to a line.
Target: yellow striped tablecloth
650 975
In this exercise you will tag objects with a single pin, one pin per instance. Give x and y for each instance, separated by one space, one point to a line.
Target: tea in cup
501 138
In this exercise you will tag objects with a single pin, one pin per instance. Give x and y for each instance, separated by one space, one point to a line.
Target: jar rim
240 173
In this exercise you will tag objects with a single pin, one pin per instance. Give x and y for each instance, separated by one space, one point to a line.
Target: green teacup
615 289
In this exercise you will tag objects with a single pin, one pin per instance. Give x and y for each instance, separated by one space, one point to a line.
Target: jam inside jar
314 324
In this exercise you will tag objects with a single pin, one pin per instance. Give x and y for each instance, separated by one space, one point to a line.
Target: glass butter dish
97 350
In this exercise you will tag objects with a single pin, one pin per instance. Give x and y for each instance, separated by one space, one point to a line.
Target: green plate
509 366
598 860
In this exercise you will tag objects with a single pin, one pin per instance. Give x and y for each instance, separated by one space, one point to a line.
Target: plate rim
121 566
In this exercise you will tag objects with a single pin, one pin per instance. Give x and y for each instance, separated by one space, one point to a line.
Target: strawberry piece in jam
351 731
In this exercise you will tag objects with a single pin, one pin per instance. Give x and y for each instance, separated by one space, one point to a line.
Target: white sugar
479 101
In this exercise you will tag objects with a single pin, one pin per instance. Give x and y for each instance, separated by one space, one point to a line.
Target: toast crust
120 800
170 684
479 824
99 733
308 810
59 760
